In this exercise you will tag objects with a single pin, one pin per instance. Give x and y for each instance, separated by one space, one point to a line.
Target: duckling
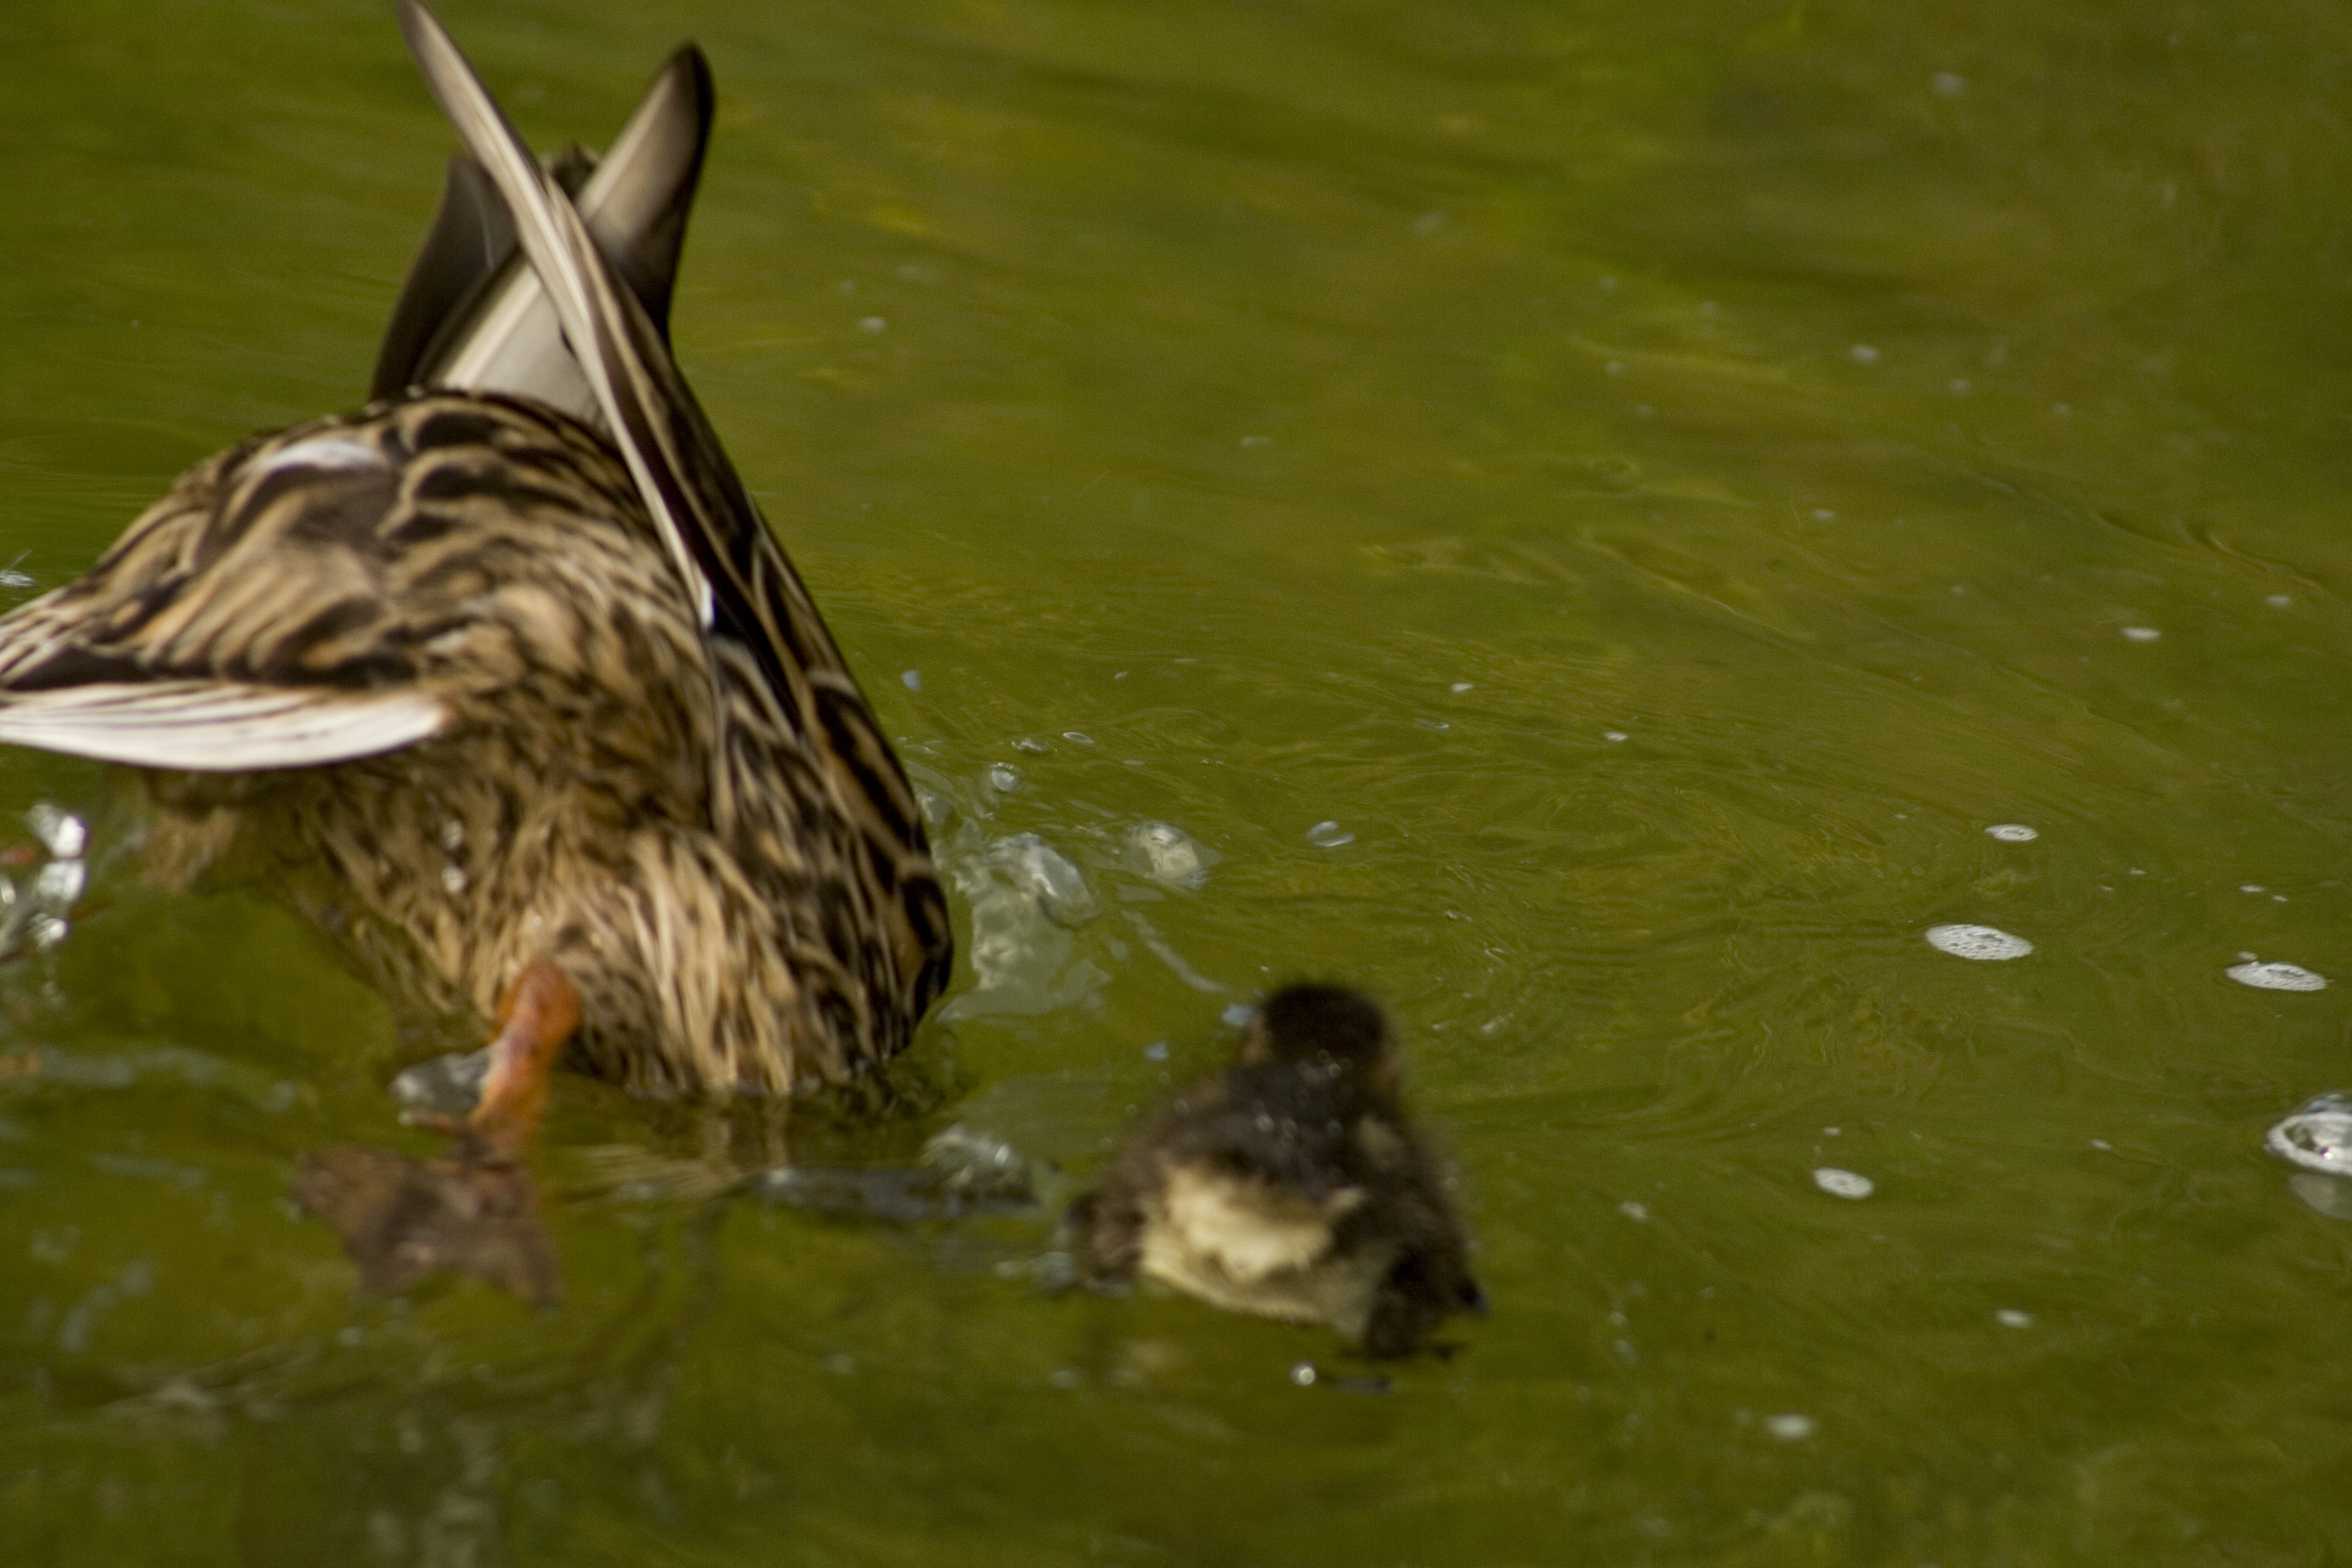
504 677
1291 1186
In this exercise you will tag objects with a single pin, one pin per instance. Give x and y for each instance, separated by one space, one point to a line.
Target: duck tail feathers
473 315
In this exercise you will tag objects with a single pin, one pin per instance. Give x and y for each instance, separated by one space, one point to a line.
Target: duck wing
234 626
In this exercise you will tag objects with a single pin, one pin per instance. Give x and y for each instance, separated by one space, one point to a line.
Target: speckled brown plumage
513 691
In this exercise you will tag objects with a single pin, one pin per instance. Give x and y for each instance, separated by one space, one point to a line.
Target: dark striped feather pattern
521 689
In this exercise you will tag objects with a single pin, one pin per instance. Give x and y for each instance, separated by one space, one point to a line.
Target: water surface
1659 481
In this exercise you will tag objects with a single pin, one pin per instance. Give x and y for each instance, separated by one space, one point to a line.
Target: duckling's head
1326 1025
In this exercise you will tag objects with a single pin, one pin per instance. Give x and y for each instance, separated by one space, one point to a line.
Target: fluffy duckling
506 677
1290 1185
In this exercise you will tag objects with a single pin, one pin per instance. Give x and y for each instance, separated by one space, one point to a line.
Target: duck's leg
540 1014
402 1218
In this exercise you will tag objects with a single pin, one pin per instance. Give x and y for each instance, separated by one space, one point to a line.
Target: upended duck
509 661
1291 1186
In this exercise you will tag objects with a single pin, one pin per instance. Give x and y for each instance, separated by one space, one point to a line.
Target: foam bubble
2013 833
1844 1184
1985 943
2276 976
2317 1136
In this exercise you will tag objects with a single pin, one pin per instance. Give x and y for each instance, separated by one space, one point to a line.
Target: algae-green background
1352 413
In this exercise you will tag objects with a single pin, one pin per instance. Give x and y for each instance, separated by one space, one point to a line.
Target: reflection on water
1603 528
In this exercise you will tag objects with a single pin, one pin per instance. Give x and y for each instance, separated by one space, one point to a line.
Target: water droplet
1638 1212
1168 854
1844 1184
1614 736
2275 977
1462 685
1004 777
1863 353
913 680
1303 1374
60 883
2013 833
1792 1427
2011 1318
2251 888
1329 836
1077 736
1157 1051
1031 744
2279 601
871 324
2141 634
59 830
1986 942
1046 875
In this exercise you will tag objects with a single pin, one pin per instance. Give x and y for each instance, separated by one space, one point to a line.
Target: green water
1664 478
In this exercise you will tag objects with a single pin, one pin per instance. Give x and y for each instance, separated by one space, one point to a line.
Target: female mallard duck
511 656
1291 1186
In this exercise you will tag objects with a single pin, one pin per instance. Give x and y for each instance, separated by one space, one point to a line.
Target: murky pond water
1579 517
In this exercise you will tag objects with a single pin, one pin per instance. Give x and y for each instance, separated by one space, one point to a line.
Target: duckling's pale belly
1250 1247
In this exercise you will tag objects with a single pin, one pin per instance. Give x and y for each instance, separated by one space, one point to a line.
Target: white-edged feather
588 303
517 343
216 727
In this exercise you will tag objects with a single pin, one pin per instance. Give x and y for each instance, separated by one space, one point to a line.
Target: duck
504 678
1290 1185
